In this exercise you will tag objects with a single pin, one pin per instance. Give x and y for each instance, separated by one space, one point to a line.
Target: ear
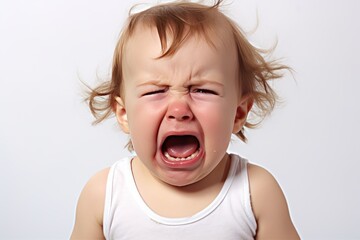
243 108
121 115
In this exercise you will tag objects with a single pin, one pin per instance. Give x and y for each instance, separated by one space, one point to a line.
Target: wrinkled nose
180 111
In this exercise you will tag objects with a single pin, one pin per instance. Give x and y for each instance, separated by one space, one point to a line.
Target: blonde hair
182 19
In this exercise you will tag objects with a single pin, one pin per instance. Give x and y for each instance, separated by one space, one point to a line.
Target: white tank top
229 216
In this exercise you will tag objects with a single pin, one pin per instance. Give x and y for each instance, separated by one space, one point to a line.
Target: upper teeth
192 156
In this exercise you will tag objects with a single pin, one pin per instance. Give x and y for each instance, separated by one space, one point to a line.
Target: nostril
185 117
181 118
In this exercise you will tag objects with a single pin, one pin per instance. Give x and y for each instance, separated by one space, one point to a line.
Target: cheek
144 121
218 124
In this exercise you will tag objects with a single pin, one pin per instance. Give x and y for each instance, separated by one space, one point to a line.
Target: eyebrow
190 82
205 81
151 82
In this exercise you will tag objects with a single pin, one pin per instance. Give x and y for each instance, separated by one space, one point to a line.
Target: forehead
145 45
146 41
143 41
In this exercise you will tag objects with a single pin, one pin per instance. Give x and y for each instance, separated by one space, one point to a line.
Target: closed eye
205 91
154 92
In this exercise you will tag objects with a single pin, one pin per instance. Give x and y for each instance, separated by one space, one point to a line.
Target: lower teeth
167 155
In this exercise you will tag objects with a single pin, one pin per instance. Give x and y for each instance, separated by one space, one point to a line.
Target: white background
48 148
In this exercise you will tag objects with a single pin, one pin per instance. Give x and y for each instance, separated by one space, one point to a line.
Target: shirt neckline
185 220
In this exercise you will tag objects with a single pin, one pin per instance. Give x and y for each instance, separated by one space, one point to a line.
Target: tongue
181 146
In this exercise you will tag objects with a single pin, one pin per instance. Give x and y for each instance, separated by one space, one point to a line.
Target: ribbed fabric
229 216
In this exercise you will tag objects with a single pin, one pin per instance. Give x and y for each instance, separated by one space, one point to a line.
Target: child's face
180 110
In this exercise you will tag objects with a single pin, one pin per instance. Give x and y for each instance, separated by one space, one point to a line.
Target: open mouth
181 148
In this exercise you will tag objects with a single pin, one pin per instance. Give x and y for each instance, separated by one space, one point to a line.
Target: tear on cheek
180 148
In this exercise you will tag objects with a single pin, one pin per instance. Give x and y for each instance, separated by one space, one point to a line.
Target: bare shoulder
269 206
90 208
